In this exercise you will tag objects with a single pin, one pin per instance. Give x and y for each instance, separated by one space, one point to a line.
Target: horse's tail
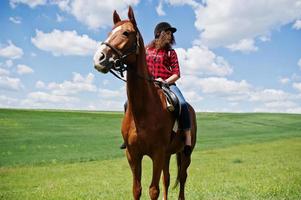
178 155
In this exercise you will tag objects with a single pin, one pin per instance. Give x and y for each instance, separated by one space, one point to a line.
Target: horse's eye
125 33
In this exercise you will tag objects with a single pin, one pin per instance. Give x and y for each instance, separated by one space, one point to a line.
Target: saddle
172 101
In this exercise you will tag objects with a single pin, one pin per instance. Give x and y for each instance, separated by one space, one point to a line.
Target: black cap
163 26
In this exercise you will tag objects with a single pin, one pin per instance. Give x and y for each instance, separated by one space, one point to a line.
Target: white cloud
40 84
278 110
273 100
62 4
280 104
48 100
24 69
297 86
236 96
294 110
159 9
192 96
59 18
201 89
224 86
244 45
223 23
16 20
32 54
198 89
76 85
64 95
182 2
11 51
270 95
53 98
265 38
105 82
95 14
299 63
296 77
9 63
111 105
6 102
30 3
4 72
110 94
200 60
64 43
111 99
297 25
7 82
284 80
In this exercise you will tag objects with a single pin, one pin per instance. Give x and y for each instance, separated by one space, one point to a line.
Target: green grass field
75 155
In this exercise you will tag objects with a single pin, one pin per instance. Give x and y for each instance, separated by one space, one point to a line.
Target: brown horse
147 124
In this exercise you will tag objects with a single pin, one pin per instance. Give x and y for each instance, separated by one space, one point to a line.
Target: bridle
119 64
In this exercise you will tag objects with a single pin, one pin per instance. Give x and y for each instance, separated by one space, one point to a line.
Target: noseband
119 63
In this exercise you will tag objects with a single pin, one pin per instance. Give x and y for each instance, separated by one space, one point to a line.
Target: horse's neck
141 92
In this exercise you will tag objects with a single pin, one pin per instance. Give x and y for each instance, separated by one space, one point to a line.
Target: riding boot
187 147
123 146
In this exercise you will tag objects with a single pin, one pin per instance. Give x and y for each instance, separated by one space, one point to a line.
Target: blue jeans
184 119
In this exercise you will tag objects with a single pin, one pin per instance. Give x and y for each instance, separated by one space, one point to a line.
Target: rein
119 64
120 77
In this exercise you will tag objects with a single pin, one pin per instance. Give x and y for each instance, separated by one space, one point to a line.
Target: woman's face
165 37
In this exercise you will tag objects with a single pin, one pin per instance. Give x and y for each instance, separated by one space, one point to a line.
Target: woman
163 65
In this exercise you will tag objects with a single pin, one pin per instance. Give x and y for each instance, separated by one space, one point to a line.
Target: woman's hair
162 42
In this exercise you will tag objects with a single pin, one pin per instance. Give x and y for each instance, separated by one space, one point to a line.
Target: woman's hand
172 79
161 80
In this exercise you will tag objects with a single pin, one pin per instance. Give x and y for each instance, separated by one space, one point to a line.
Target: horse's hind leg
166 177
135 164
185 162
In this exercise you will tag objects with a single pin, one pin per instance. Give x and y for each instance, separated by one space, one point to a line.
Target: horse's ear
116 17
131 16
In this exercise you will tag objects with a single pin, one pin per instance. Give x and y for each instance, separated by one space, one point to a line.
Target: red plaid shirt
162 63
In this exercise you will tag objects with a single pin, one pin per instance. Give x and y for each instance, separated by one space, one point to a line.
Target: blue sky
235 56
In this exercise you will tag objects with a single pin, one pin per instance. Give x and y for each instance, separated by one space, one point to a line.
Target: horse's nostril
102 57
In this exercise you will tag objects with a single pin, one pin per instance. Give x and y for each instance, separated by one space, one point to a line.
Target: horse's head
120 47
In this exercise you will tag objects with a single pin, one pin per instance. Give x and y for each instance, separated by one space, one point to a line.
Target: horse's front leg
166 177
158 163
135 164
